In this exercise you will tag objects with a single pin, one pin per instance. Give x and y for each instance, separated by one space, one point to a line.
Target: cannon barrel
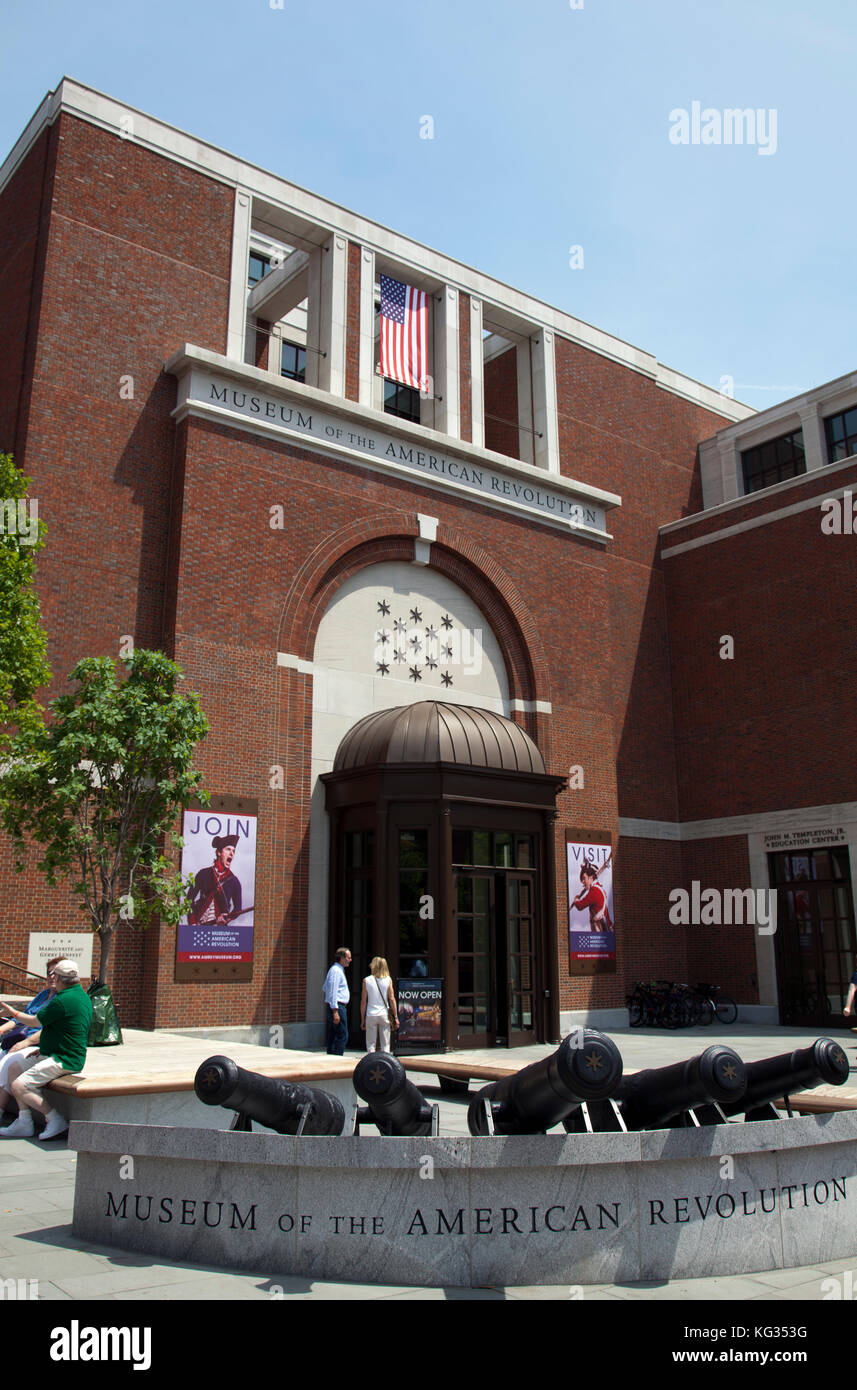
824 1062
650 1099
275 1104
394 1103
586 1066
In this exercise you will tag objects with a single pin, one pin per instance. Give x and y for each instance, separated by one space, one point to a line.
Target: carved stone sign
541 496
544 1209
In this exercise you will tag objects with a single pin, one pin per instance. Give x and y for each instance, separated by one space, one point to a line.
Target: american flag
404 350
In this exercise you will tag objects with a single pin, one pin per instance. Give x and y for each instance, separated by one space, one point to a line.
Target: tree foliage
99 785
23 645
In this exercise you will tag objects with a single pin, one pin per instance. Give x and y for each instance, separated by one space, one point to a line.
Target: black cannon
393 1103
662 1096
586 1066
776 1078
289 1107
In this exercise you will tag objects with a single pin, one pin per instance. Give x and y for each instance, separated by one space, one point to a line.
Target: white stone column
447 410
730 470
814 441
477 375
366 349
333 266
237 315
546 443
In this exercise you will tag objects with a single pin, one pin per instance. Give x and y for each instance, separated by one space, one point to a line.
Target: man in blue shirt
336 997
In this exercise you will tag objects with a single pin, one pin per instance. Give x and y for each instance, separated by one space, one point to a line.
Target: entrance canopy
442 844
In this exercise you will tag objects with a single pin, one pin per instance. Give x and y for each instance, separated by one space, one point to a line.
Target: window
258 268
403 401
293 362
841 431
773 461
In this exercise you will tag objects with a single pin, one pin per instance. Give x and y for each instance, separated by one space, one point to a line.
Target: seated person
27 1017
65 1022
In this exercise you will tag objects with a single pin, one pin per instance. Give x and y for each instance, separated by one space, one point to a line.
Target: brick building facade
191 379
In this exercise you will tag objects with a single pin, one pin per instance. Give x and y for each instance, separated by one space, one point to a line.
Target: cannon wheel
726 1009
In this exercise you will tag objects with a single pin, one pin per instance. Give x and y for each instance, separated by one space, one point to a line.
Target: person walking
336 997
378 1013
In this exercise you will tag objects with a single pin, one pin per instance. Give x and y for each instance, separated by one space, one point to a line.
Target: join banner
219 854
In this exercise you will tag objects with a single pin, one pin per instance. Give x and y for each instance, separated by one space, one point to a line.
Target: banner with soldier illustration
219 854
591 925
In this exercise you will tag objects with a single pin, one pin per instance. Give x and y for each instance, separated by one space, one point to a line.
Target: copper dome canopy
433 732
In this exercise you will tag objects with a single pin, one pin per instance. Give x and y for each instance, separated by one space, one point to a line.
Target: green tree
99 785
23 644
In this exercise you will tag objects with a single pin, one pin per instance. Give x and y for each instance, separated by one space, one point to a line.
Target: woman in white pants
378 1006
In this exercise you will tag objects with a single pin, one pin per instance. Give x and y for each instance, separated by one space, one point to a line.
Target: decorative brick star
446 678
431 635
416 644
446 651
383 607
382 636
416 615
400 625
399 655
431 663
416 674
382 668
446 620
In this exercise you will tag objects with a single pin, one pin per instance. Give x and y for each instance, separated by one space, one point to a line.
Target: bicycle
711 1003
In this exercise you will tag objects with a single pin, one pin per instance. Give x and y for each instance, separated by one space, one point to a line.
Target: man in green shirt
64 1024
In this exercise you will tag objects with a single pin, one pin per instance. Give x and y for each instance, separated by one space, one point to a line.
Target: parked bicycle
670 1004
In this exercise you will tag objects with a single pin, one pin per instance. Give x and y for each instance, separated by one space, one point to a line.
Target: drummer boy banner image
591 926
219 856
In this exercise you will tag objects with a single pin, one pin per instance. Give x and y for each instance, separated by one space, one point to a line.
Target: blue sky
551 130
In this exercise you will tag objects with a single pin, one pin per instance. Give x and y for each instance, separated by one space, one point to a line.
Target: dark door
816 944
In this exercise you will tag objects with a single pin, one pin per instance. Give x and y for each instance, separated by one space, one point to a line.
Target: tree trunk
105 938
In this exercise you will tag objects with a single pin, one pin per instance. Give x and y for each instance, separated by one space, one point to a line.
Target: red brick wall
136 262
720 955
23 240
774 726
501 404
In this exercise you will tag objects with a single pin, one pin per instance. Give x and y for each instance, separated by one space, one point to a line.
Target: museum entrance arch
442 861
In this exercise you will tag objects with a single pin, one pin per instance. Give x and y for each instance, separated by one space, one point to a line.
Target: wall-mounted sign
71 945
591 923
529 491
420 1004
805 839
215 937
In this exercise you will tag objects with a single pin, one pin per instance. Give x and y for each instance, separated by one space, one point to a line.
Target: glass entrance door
816 944
494 933
474 1001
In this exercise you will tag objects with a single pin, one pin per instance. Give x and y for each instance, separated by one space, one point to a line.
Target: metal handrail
30 974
